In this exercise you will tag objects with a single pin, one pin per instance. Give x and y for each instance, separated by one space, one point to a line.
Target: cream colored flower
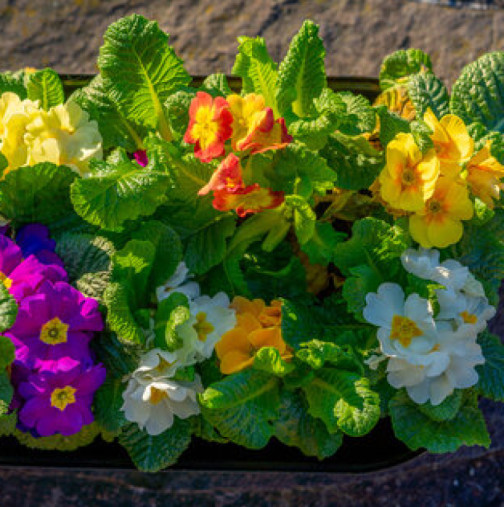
64 135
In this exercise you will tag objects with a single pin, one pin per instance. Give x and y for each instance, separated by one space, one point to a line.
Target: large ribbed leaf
257 70
478 94
491 374
417 430
115 129
40 193
301 76
46 87
398 66
141 70
344 401
243 407
425 90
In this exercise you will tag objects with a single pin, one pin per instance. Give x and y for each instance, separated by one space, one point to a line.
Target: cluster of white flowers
430 355
153 397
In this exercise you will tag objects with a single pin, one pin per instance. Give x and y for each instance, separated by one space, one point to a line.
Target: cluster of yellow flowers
434 188
63 135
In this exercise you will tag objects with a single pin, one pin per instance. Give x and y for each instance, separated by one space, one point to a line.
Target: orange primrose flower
483 175
228 176
439 223
251 199
254 126
257 326
209 126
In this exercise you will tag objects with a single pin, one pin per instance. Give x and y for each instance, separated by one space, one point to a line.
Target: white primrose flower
429 358
179 282
210 318
157 364
153 405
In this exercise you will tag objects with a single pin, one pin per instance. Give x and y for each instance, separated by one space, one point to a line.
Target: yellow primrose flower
15 114
64 135
483 175
409 178
452 142
257 326
439 223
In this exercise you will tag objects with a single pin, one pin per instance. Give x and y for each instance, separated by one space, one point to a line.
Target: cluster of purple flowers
54 374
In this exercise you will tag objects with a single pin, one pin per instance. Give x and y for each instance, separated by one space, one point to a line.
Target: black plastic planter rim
378 450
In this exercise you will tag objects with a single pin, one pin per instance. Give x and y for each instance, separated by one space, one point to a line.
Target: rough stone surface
66 34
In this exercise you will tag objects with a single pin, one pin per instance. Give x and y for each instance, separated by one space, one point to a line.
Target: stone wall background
66 34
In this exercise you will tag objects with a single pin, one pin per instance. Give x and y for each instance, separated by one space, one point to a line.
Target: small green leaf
491 373
171 313
322 245
217 85
7 352
8 309
107 405
316 353
399 66
268 359
446 410
304 217
13 82
46 87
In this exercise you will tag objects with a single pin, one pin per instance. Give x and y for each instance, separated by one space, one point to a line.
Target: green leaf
171 313
418 431
353 159
207 247
344 401
115 129
107 405
141 70
7 352
359 117
491 373
216 84
391 124
6 392
446 410
321 246
374 243
398 66
268 359
152 453
8 309
13 82
425 90
118 358
304 217
39 193
168 249
257 70
316 353
177 110
125 191
301 76
297 428
7 423
364 280
46 87
477 95
87 260
242 407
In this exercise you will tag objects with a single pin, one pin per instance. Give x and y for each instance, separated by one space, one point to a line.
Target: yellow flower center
205 128
404 330
434 206
5 280
202 327
408 176
61 398
54 332
157 396
468 318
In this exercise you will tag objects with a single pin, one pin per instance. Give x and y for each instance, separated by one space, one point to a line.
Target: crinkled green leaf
121 192
446 410
363 280
243 407
359 117
257 70
87 260
177 110
478 94
322 244
13 82
304 217
418 431
301 76
316 353
491 373
400 65
297 428
114 128
6 392
7 352
141 70
107 404
39 193
217 85
119 359
46 87
8 309
344 401
425 91
171 313
268 359
391 124
353 159
152 453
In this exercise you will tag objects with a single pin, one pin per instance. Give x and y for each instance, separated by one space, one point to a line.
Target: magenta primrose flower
141 157
23 276
54 326
60 402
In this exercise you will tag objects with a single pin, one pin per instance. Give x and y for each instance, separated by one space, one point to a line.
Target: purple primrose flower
34 239
141 157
